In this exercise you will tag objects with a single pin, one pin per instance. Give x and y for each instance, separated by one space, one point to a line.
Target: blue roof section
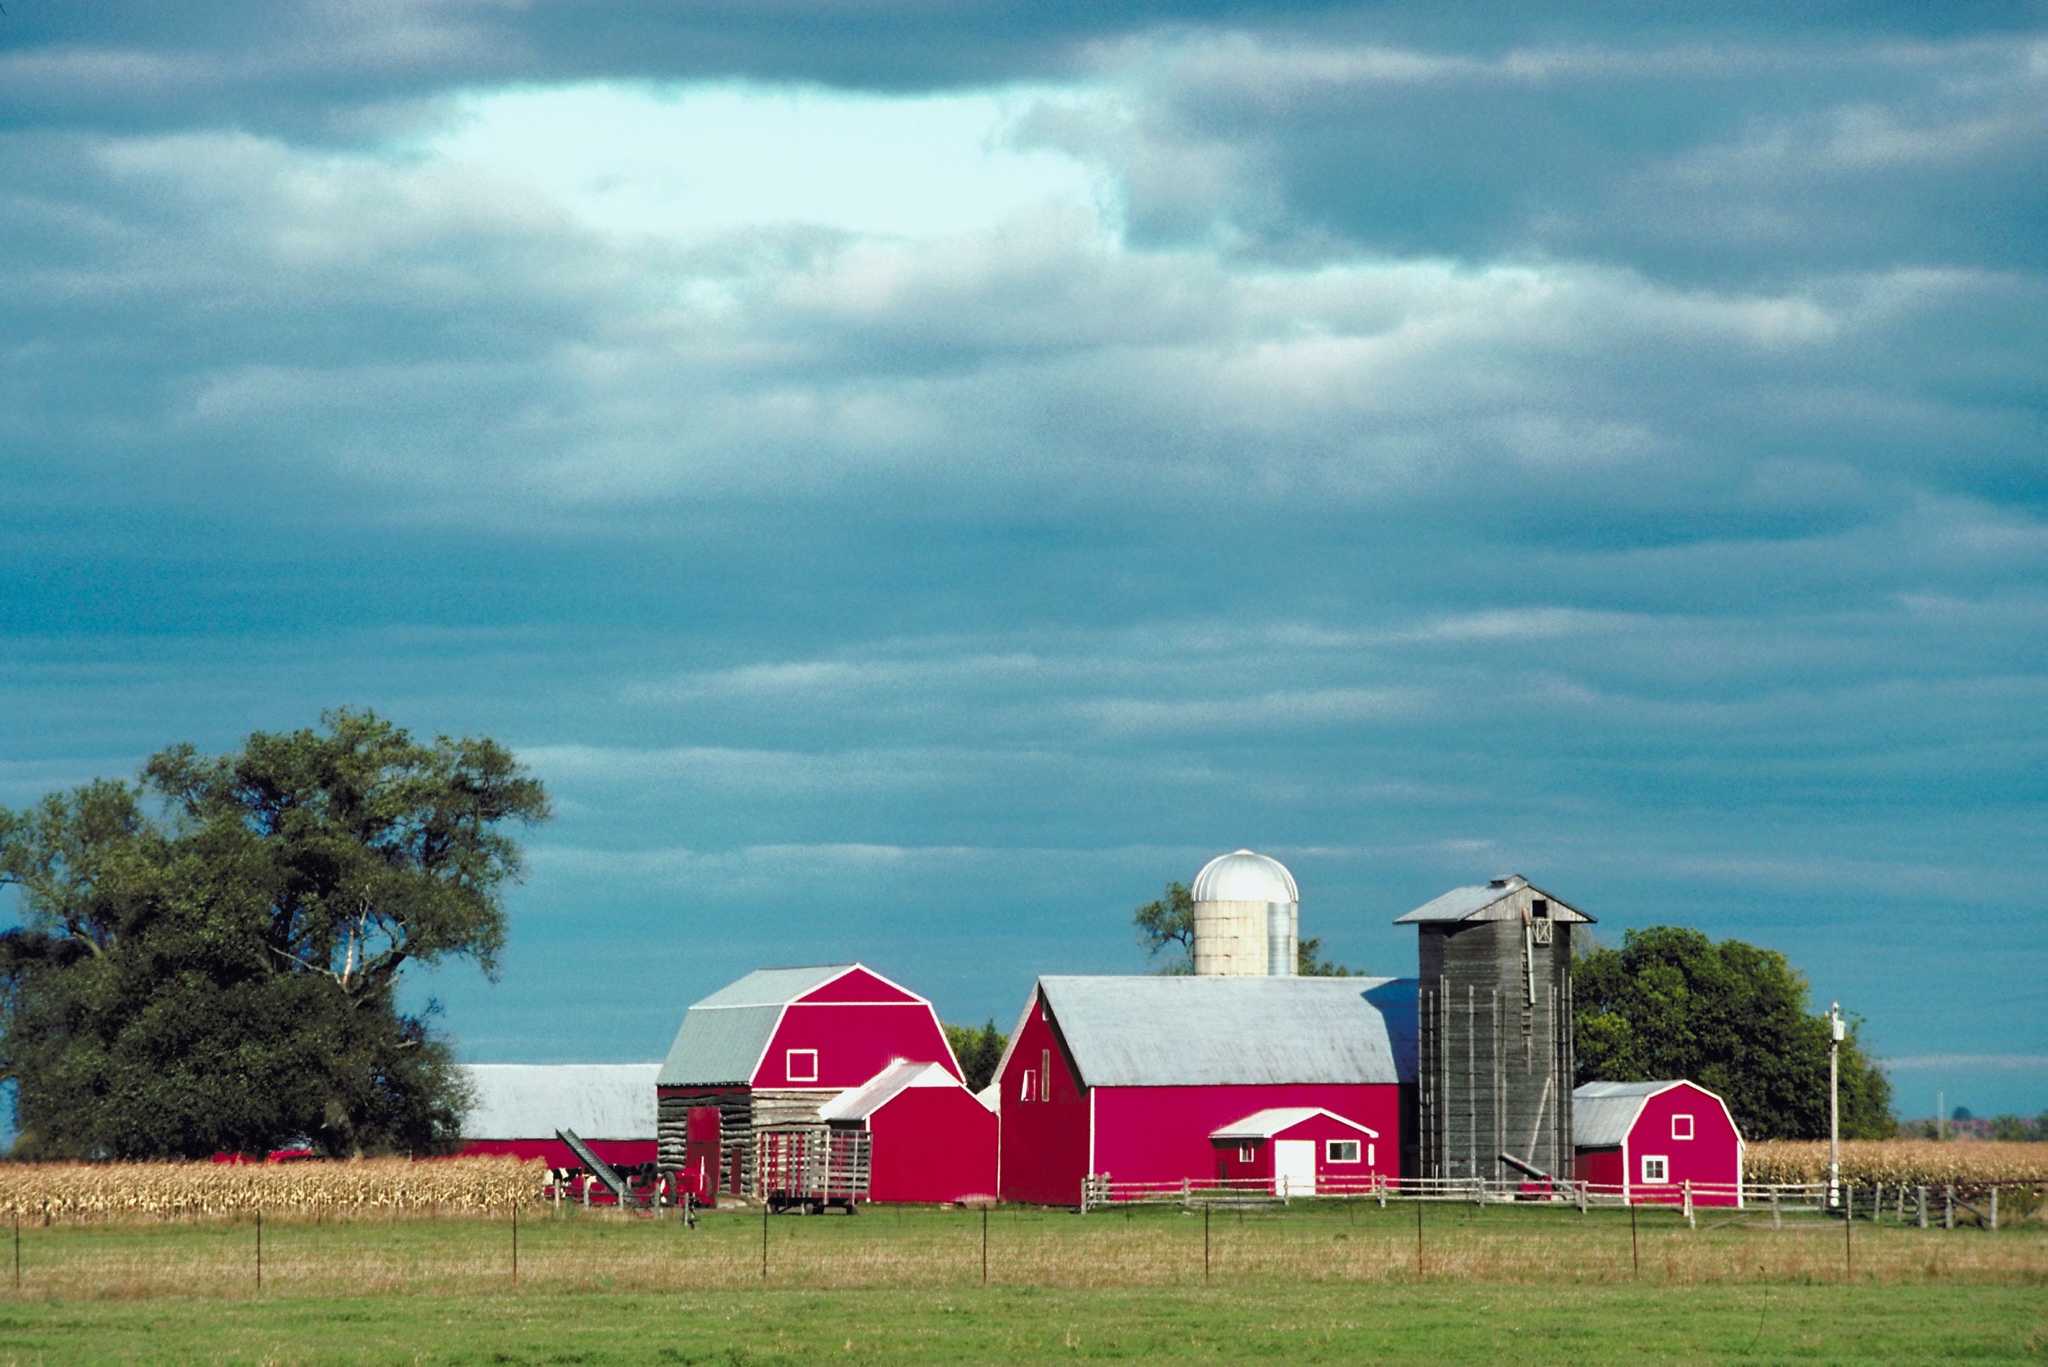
1160 1031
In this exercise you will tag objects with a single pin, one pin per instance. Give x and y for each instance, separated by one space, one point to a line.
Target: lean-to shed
1645 1139
769 1050
1296 1151
1131 1076
930 1138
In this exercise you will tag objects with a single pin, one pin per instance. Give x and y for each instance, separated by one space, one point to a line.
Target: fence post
1582 1198
1686 1190
1994 1207
1848 1225
1777 1216
1380 1181
1948 1206
1922 1194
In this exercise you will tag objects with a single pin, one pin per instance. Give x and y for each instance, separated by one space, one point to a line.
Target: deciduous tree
210 959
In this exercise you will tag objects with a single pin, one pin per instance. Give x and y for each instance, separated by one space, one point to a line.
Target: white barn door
1294 1167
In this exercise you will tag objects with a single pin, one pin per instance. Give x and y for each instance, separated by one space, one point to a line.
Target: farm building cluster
835 1085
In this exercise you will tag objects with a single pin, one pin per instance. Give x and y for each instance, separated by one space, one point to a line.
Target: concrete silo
1247 917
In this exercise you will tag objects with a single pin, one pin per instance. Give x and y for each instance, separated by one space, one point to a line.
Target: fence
1919 1204
1438 1235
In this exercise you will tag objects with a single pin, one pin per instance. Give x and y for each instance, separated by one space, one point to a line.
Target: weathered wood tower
1494 1066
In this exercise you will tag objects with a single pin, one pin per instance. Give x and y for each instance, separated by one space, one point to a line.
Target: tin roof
533 1100
1280 1119
723 1035
773 986
1160 1031
858 1103
1470 903
1603 1112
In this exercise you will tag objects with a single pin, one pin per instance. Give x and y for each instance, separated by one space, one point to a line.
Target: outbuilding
1296 1151
1645 1141
929 1138
766 1052
516 1108
1131 1077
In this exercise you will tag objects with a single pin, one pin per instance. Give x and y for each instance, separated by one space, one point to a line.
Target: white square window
1030 1087
800 1065
1681 1126
1244 1153
1656 1169
1340 1151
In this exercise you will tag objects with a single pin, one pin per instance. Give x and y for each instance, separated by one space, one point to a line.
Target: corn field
364 1187
1915 1162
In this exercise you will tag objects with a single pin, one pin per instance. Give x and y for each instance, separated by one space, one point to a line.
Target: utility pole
1835 1037
1941 1115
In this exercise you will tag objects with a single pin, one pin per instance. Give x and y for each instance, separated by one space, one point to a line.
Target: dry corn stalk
374 1186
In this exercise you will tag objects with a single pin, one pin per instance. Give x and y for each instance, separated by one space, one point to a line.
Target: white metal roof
1472 903
1279 1119
991 1096
1244 876
858 1103
533 1100
1161 1031
773 986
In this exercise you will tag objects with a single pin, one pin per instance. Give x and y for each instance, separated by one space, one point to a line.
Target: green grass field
1325 1282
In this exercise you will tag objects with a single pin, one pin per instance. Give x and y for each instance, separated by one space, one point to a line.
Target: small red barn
1132 1076
1296 1151
1647 1139
766 1052
931 1138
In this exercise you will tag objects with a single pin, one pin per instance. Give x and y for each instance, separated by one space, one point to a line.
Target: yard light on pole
1835 1035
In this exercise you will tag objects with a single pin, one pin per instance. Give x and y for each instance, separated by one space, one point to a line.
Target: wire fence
1380 1237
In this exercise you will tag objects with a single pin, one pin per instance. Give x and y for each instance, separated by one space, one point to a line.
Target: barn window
1030 1086
1656 1168
1340 1151
1045 1075
1681 1126
1244 1153
801 1065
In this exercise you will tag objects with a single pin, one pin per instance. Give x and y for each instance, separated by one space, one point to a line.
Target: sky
915 479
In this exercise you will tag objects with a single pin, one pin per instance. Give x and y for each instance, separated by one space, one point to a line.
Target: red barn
931 1138
1132 1076
1646 1139
517 1107
769 1050
1296 1151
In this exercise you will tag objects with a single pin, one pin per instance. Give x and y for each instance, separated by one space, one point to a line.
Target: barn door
1294 1167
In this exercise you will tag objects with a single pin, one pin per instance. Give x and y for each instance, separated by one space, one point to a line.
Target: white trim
1677 1116
1010 1045
1663 1162
789 1065
1091 1130
1247 1151
1030 1081
781 1014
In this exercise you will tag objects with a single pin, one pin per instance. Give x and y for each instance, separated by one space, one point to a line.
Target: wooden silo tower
1494 1066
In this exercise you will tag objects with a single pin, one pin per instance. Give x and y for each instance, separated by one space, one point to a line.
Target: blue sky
913 480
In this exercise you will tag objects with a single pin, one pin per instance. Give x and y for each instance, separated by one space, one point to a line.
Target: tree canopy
979 1051
1735 1018
210 958
1167 926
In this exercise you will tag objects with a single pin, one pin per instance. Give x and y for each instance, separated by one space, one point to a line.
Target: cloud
2002 1063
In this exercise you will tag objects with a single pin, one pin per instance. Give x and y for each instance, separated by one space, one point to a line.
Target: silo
1247 916
1495 1061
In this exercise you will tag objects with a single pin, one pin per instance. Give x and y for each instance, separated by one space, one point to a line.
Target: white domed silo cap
1245 876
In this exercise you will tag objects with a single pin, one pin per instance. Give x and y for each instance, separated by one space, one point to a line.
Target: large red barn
1645 1140
1130 1077
769 1050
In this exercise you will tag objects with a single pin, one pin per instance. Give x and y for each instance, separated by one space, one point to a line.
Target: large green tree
1730 1016
210 958
978 1050
1167 926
